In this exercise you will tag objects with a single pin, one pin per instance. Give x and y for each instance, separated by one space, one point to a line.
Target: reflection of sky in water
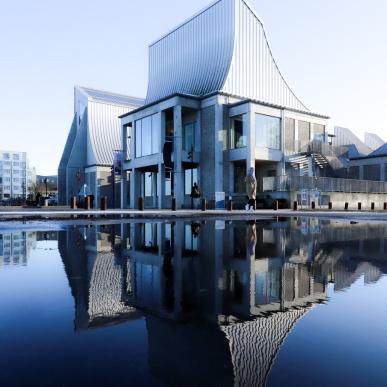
286 303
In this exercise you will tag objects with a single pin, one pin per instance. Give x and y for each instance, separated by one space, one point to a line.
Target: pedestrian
195 196
251 189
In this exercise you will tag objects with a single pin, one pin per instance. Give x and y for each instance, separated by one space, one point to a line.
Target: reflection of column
178 186
177 264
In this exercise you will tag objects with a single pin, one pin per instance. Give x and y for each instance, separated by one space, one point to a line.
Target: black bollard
230 205
141 203
359 206
295 205
372 206
174 204
346 206
330 206
204 204
313 205
104 203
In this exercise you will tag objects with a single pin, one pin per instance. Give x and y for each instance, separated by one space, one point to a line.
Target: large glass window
138 139
191 176
147 136
190 141
238 132
289 140
267 131
239 178
303 133
318 132
156 134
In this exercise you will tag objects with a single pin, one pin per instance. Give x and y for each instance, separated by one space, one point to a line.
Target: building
217 104
16 177
15 247
373 141
93 138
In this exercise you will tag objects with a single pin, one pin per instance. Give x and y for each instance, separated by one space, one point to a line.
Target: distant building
373 141
345 137
94 137
16 177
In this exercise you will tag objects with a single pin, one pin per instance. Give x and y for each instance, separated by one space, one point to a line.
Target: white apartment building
15 175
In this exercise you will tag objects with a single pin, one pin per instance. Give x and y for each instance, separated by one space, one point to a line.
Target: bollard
230 205
359 206
73 202
141 203
330 206
204 204
313 205
276 205
372 206
87 203
295 206
385 206
173 204
346 206
104 203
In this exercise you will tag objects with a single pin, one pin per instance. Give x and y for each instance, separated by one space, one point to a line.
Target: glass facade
318 132
303 133
290 134
190 140
267 131
190 177
147 136
238 132
239 178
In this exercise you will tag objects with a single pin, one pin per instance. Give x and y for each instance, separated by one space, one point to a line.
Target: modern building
16 177
373 141
217 104
93 139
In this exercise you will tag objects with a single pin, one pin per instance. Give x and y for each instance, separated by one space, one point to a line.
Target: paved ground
20 214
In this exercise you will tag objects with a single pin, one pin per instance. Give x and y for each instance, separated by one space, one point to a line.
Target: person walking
251 189
195 196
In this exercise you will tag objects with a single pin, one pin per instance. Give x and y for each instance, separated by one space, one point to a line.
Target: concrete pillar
218 167
154 190
249 123
361 172
178 185
135 187
382 172
160 167
310 166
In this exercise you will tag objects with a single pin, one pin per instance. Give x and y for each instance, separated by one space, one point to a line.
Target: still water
282 302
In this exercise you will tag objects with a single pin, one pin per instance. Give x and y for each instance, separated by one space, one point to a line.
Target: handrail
324 184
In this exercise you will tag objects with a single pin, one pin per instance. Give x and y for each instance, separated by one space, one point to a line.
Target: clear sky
332 53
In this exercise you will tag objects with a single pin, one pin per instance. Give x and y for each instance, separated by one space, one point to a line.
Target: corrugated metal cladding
195 57
223 48
112 98
104 134
253 72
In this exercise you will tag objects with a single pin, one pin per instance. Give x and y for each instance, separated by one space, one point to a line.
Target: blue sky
332 53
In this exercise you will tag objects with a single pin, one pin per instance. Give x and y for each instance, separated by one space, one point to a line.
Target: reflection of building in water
255 280
97 276
15 247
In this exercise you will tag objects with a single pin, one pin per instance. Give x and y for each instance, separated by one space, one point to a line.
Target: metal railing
323 184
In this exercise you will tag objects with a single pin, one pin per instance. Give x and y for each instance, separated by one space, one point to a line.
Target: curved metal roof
222 48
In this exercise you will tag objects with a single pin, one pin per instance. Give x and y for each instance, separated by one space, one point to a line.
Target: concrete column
361 172
249 123
135 187
382 171
154 190
218 167
178 185
310 166
161 168
282 142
